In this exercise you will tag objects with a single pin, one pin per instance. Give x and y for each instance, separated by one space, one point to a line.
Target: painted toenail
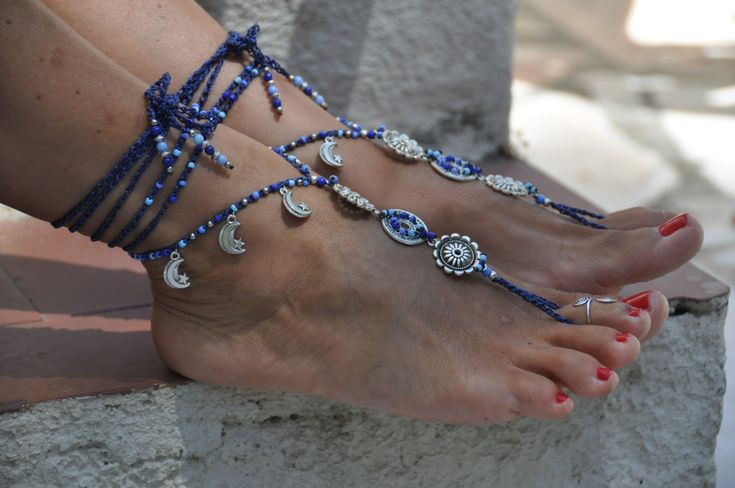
622 337
674 224
604 373
634 312
561 397
639 300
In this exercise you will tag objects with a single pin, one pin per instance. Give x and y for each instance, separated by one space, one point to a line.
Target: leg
524 238
433 348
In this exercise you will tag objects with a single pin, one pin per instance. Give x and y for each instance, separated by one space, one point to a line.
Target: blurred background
632 102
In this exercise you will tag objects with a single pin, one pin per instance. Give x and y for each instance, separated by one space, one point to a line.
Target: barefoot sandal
455 254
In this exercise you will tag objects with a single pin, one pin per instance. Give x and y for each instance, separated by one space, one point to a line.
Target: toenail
561 397
622 337
674 224
639 300
604 373
634 312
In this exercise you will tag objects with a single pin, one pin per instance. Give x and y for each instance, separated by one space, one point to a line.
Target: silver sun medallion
403 226
456 254
506 185
402 144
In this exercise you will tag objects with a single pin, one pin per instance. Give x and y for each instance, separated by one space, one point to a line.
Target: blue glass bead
381 128
234 208
540 199
423 234
167 161
182 183
487 271
172 199
201 229
291 183
322 134
303 140
221 159
308 90
161 146
249 68
176 152
305 182
404 215
182 244
304 169
166 252
232 96
209 150
355 134
320 182
238 80
319 99
371 134
297 80
191 165
149 201
483 258
276 102
431 235
159 185
221 114
195 107
340 133
273 90
333 180
267 76
156 130
198 139
291 158
255 195
255 72
218 217
184 136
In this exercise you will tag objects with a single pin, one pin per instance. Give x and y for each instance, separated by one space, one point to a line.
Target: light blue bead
182 183
297 80
195 107
221 159
161 146
487 271
233 207
176 152
221 114
149 201
198 139
319 99
340 133
273 90
182 244
291 183
255 195
191 164
255 72
291 158
238 80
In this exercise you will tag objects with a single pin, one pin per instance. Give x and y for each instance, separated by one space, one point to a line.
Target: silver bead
210 224
192 236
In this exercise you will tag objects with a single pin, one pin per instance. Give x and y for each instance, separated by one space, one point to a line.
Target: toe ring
586 302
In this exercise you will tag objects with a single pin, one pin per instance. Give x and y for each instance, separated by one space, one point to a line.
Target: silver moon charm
300 210
326 152
227 240
171 274
456 254
402 145
506 185
403 226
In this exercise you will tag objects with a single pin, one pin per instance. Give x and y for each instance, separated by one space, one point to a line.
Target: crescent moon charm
227 240
300 210
326 152
171 274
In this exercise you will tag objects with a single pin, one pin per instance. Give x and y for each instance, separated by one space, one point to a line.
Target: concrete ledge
657 429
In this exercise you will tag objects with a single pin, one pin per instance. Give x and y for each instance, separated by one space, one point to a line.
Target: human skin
529 241
329 306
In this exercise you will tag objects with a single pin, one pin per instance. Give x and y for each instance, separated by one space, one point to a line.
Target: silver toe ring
587 303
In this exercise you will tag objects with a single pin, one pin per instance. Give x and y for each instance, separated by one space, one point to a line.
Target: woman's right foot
332 307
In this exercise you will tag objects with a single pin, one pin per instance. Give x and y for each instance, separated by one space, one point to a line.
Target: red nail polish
561 397
604 373
674 224
639 300
634 312
622 337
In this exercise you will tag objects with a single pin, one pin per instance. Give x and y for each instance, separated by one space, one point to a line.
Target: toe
539 397
636 217
609 346
581 373
655 305
622 316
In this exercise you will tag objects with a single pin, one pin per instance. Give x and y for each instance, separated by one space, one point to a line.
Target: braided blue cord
576 214
547 306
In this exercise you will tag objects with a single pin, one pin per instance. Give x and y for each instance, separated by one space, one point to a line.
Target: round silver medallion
402 144
506 185
456 254
403 226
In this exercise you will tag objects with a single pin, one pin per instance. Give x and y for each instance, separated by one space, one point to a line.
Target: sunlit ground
620 154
